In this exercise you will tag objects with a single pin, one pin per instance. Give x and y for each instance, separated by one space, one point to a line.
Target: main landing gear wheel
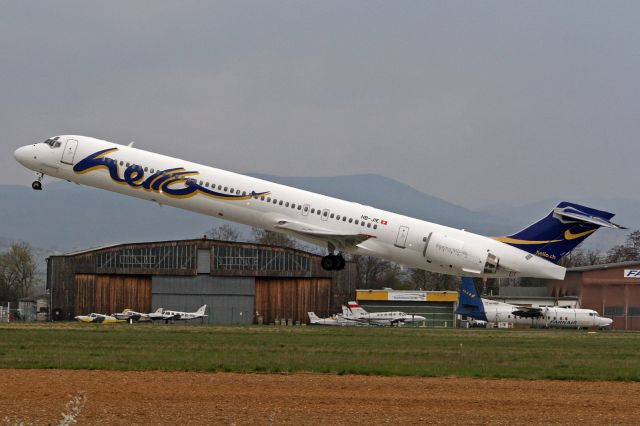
333 262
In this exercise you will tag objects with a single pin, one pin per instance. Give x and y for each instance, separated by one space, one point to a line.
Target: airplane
338 320
98 319
184 316
131 316
470 304
355 312
340 226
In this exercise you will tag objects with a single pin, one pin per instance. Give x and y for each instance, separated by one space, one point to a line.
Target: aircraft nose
22 155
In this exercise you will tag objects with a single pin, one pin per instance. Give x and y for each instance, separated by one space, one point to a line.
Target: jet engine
448 251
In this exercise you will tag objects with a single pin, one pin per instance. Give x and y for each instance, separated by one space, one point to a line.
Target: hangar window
614 311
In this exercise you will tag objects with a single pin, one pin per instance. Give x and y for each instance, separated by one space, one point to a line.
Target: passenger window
325 213
313 210
306 208
357 222
206 184
275 201
300 207
344 218
368 225
127 164
146 169
219 187
268 199
201 183
350 220
337 217
262 198
230 190
122 163
237 192
244 193
319 212
225 188
332 216
281 202
286 204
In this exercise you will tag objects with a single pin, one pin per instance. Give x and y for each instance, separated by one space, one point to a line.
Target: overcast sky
474 102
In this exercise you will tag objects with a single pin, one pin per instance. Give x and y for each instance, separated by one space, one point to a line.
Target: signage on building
419 296
632 273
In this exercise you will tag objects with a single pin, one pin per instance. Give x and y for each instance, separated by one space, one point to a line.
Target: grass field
529 354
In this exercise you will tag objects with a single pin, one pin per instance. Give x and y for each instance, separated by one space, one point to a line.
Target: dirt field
110 397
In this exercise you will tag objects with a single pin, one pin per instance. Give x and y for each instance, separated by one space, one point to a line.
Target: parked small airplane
183 316
338 320
470 304
355 312
339 225
131 316
98 318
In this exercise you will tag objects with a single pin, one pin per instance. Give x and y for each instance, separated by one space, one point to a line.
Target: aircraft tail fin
566 226
469 301
313 318
356 309
201 310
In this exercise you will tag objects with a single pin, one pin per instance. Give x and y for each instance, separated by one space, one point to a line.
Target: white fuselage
255 202
499 312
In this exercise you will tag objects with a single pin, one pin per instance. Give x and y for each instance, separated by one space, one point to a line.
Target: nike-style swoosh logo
569 236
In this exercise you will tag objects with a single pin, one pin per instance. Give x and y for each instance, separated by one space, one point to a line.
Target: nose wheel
37 184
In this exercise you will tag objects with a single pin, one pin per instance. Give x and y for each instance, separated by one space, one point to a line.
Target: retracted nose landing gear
37 184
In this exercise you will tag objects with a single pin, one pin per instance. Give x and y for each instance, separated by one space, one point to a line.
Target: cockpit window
53 143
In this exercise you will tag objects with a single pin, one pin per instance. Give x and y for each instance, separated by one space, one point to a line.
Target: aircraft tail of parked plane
469 302
566 226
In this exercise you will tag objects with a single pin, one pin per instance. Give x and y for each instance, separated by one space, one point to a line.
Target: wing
339 240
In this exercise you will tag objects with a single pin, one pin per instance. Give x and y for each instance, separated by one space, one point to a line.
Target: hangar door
292 298
229 300
107 294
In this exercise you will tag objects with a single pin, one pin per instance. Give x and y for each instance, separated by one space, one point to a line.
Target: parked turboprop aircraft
471 305
355 312
337 320
341 226
98 318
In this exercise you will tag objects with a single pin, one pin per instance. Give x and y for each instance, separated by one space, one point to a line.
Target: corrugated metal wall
229 300
292 298
106 294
